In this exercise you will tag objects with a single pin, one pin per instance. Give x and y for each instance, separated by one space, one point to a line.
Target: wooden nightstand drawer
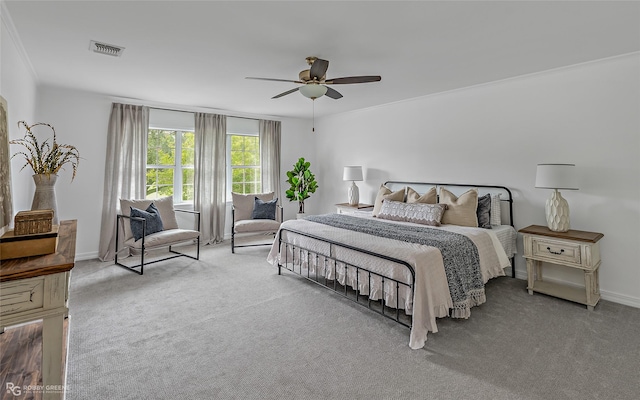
22 295
556 250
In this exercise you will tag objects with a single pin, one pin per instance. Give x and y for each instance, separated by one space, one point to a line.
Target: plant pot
45 196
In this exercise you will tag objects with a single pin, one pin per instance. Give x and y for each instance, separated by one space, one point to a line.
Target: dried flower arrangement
46 158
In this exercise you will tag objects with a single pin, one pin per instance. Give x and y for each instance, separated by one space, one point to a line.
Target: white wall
80 119
18 87
496 134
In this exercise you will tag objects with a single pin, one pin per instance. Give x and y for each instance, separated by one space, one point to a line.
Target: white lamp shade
313 90
556 176
353 173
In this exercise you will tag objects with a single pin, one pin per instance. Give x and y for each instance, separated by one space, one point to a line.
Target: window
171 155
243 155
168 174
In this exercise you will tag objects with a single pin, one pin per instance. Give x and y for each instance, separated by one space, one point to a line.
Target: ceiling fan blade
334 94
353 79
285 93
318 69
273 79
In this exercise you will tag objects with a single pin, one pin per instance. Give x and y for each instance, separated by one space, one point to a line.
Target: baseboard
86 256
620 298
604 294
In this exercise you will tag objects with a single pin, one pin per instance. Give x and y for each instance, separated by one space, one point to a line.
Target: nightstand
573 249
359 210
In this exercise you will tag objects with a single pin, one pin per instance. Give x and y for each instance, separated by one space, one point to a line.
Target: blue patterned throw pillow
264 209
151 215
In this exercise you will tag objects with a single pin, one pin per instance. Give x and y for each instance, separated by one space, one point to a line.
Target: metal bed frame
331 262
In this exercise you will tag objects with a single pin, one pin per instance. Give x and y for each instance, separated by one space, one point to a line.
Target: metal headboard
506 198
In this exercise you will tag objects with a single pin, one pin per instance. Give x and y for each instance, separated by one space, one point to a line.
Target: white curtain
270 157
125 167
210 175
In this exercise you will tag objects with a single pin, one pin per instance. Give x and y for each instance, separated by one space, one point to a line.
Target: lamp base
354 194
557 210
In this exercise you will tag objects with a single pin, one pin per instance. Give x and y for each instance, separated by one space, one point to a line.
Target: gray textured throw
459 254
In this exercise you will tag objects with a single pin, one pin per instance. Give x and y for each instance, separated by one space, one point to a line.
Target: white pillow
496 218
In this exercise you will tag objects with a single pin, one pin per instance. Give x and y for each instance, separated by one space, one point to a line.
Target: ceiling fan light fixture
313 90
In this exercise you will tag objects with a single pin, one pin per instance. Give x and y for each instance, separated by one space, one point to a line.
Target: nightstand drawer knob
555 252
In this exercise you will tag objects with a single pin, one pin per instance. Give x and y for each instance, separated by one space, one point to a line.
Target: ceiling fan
315 83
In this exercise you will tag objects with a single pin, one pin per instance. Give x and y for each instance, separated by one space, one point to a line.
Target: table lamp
556 176
353 174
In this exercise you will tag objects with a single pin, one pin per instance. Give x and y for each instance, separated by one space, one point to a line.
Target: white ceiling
197 53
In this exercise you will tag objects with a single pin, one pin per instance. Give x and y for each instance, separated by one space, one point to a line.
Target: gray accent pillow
264 209
151 215
484 211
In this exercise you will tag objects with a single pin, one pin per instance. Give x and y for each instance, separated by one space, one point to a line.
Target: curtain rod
193 112
126 100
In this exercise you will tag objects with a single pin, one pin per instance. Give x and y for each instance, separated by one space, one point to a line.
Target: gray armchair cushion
243 204
256 225
165 208
163 238
152 218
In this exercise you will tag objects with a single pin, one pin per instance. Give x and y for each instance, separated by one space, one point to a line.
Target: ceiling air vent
108 49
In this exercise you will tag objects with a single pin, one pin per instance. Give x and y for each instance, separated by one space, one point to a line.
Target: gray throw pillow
264 209
151 215
484 211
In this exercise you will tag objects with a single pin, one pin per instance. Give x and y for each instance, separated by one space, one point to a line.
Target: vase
45 196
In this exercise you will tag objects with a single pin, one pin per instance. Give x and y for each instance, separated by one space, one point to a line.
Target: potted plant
45 159
302 182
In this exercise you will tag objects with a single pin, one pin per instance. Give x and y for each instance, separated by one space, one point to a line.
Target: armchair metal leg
233 229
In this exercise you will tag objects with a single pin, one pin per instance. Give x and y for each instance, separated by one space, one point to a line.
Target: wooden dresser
34 288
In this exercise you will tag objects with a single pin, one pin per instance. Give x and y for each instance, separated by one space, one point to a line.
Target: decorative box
32 222
17 246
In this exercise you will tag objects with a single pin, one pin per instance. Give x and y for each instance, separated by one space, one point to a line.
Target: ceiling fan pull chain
313 123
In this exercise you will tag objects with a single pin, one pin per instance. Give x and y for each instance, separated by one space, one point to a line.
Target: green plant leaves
302 182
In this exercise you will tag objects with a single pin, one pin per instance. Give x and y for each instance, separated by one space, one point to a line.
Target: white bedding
431 297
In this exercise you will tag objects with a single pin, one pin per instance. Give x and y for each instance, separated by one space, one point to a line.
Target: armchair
154 225
249 222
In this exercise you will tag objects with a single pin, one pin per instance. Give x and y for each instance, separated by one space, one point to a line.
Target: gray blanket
459 254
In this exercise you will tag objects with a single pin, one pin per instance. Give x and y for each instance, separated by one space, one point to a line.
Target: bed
400 267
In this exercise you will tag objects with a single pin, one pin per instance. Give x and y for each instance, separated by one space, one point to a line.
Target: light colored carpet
229 327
